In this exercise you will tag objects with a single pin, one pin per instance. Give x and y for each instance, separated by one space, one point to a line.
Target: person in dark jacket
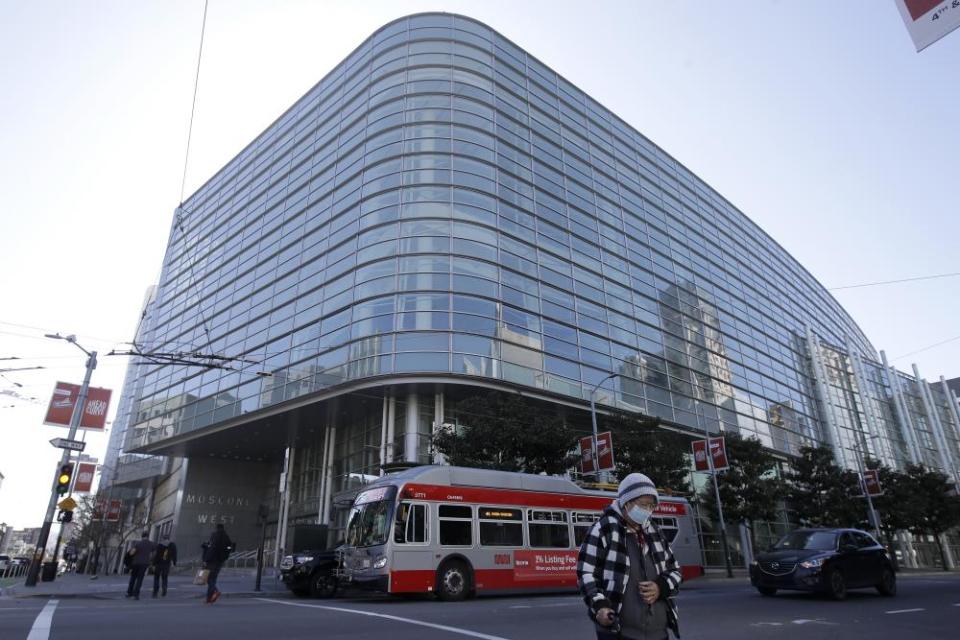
164 556
215 552
139 554
626 570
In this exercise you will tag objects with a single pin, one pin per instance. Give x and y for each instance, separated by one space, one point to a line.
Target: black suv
311 573
825 560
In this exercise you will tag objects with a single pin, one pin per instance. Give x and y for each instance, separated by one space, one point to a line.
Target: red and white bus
456 531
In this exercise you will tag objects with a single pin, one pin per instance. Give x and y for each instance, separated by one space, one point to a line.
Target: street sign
929 20
605 451
72 445
67 504
718 449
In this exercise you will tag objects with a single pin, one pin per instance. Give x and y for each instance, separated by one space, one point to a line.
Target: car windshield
810 540
369 521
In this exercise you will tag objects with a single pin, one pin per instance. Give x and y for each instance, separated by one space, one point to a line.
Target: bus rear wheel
453 581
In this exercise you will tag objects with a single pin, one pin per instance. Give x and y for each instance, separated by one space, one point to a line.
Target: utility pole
716 488
593 419
75 418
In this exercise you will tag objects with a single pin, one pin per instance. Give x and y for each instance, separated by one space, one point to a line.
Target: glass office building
443 213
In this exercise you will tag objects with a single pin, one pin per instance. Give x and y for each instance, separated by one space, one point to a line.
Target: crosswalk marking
41 626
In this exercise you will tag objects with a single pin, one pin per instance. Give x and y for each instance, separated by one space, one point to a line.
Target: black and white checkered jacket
603 565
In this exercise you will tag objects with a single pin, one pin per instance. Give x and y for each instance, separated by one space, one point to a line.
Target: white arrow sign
73 445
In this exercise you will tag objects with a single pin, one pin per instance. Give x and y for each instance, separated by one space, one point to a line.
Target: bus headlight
380 563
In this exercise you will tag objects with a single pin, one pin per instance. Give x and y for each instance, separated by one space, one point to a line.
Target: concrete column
906 546
955 414
328 482
746 544
935 424
391 427
438 420
823 392
383 430
947 552
873 428
902 411
322 489
411 434
284 506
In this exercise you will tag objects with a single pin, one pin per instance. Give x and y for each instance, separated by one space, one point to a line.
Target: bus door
412 563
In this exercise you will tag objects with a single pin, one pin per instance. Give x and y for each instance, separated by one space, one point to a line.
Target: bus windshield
369 521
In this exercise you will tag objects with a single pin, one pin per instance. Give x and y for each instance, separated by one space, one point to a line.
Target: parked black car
825 560
311 573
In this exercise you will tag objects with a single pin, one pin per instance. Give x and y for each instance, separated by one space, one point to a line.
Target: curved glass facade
444 204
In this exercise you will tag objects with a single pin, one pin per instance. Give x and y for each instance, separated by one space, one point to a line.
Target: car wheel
767 591
453 581
836 585
888 583
323 585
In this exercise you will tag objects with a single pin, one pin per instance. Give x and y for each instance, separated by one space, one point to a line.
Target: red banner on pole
64 399
605 451
84 478
871 480
586 455
718 447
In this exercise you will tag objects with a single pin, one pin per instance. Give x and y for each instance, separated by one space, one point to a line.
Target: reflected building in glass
441 214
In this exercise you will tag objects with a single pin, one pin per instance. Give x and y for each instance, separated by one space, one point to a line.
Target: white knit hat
634 486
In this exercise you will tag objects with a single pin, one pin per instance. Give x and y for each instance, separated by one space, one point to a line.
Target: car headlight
812 563
754 563
302 559
380 563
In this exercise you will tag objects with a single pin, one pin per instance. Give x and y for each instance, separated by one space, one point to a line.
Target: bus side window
582 522
456 525
411 524
668 526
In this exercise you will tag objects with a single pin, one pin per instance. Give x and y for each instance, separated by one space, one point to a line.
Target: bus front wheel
453 581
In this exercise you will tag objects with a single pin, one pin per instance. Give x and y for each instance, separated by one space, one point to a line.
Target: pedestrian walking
215 552
626 571
164 556
139 558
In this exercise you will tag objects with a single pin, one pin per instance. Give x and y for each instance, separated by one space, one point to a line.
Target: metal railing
14 570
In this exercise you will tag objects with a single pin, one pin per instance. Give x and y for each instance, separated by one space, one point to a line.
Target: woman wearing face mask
626 570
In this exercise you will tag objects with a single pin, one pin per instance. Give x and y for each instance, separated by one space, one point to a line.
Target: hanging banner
718 447
605 451
83 480
587 465
929 20
871 480
64 399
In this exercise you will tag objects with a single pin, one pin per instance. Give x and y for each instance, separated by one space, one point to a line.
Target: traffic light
63 478
65 517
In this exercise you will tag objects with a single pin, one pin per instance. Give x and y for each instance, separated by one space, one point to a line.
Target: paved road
927 607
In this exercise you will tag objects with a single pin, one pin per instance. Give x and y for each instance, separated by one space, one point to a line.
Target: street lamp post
593 419
716 488
871 512
75 418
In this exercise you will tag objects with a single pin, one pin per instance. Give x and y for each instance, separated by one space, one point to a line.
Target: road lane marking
41 626
443 627
905 610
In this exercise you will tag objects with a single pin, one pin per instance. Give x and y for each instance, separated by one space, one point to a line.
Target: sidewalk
232 583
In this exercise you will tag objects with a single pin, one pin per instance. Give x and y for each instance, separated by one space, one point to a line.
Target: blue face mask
638 514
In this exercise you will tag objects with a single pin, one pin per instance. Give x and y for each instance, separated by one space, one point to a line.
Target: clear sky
817 119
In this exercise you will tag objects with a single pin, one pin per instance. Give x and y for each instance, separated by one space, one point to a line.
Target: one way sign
72 445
